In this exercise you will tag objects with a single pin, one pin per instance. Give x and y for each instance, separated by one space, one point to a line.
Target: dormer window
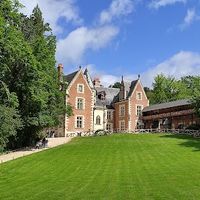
101 96
80 88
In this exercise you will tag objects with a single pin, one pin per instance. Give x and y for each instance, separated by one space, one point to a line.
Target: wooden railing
169 114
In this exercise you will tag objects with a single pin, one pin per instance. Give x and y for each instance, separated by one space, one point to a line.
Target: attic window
101 96
139 95
80 88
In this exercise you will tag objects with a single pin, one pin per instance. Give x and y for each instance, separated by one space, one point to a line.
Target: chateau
123 109
99 108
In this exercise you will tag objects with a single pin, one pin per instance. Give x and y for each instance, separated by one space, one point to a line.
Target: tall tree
115 85
163 89
10 121
27 62
46 101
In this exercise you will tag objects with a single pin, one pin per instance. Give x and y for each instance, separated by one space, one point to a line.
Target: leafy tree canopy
115 85
29 86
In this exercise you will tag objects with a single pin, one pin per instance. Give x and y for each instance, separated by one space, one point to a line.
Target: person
44 142
38 144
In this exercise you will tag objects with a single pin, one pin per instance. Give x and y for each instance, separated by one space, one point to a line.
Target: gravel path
52 142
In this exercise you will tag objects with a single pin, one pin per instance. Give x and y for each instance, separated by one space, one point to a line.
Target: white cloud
156 4
53 10
181 64
106 79
71 49
190 17
117 9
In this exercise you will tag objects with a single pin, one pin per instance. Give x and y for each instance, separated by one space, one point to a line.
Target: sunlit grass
107 167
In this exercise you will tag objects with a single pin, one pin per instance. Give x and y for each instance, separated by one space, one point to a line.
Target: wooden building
172 115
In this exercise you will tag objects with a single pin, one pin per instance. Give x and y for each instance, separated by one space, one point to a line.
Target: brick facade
86 112
134 102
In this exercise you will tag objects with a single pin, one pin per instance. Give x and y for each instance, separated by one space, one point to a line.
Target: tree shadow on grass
187 141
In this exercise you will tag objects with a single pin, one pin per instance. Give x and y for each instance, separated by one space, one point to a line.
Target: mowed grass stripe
107 167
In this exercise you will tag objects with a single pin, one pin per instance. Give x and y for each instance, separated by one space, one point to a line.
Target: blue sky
125 37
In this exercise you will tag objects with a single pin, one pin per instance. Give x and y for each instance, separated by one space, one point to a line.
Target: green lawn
107 167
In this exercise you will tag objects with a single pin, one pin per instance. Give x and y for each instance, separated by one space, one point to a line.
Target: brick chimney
97 83
122 90
60 72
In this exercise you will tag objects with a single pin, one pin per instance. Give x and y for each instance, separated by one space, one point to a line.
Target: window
98 120
109 127
122 125
109 115
122 110
101 96
80 88
80 103
79 122
139 111
139 95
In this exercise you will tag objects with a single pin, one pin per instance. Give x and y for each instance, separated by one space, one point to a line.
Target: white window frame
77 98
110 126
120 125
137 110
82 88
111 115
120 108
83 121
138 96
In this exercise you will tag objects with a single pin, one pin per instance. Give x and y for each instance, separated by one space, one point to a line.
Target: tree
10 121
167 89
163 89
9 117
44 102
149 93
27 63
115 85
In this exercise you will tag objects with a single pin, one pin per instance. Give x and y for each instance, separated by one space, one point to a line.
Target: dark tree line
165 89
30 99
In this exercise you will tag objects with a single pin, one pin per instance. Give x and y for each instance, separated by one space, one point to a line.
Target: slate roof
68 78
98 103
171 104
111 93
131 87
89 79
